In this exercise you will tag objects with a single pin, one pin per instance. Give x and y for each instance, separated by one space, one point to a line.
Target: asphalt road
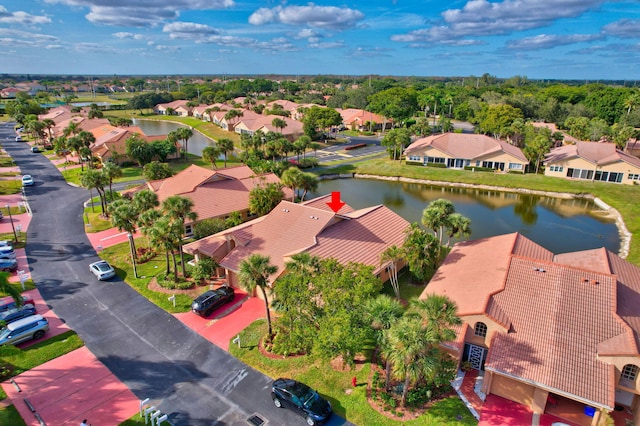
155 355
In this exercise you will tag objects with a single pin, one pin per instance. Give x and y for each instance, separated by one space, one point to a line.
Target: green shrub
168 282
307 163
479 169
207 227
204 269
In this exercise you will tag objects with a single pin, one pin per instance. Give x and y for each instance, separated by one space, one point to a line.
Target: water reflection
152 128
560 225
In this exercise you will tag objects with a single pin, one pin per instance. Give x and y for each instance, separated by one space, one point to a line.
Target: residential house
593 161
567 138
264 123
460 150
312 227
172 106
359 119
546 328
110 144
214 193
10 92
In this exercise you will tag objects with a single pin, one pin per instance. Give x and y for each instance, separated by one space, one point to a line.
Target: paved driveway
153 353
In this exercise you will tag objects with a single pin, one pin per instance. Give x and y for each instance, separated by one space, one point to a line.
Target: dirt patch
338 363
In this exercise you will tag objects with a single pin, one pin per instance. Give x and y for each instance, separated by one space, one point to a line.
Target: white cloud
87 47
141 13
326 45
130 36
308 33
20 17
362 52
189 30
624 28
37 39
483 18
331 17
547 41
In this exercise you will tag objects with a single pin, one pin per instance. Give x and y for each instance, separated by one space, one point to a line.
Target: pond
152 128
559 225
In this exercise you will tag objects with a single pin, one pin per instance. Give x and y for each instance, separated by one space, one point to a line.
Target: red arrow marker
335 203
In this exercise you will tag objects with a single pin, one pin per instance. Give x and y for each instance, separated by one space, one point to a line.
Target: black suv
296 396
204 304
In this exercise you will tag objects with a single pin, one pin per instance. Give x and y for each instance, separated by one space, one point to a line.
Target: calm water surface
558 225
153 128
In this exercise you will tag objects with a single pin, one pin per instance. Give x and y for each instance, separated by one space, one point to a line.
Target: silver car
32 327
102 270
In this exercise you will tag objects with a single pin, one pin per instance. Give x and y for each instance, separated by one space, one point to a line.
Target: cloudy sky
541 39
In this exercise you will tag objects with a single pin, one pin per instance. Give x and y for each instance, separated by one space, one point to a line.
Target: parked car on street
7 252
18 138
32 327
35 149
296 396
7 303
210 300
102 270
27 180
16 314
8 265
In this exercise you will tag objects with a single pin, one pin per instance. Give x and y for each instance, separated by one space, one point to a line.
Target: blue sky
541 39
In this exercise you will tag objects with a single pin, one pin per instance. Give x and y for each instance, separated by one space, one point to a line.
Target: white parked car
102 270
27 180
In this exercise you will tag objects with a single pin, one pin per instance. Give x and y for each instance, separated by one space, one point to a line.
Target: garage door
512 389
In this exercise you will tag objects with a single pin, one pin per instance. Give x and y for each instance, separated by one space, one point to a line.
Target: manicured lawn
334 384
408 290
72 175
96 220
9 236
13 209
6 161
10 186
10 416
120 258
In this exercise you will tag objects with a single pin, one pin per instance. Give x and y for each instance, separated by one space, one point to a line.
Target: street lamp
15 236
133 256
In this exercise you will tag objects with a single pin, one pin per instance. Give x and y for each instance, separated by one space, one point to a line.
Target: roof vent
285 210
594 282
585 280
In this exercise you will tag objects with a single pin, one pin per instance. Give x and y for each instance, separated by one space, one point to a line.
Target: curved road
154 354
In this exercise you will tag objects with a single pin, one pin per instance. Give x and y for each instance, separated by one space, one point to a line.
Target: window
629 373
515 166
481 329
414 158
188 230
556 168
633 176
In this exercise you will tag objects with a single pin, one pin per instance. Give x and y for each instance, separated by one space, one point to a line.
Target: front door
475 355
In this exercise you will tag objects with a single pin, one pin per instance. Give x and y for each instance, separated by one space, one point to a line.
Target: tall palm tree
72 129
125 217
49 124
145 200
210 154
390 258
309 182
384 312
459 226
184 134
255 271
225 146
292 178
435 216
178 209
111 171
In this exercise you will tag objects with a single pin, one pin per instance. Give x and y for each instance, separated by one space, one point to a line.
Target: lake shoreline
625 235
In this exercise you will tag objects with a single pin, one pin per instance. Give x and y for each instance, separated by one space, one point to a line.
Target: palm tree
178 209
440 313
384 312
72 128
111 171
146 223
145 200
125 217
308 183
279 124
210 154
412 351
49 124
435 216
390 257
225 146
459 226
185 133
255 271
292 178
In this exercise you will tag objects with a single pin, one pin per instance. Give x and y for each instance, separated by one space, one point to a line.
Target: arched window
629 373
481 329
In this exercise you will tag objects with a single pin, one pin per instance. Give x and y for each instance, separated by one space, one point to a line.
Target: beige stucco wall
501 157
492 327
579 163
512 390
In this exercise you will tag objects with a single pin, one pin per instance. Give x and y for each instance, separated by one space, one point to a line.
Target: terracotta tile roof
598 153
321 203
467 146
362 237
559 318
561 313
214 193
351 115
290 228
554 128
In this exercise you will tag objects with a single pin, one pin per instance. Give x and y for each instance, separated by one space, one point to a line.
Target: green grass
72 175
95 219
10 416
42 352
9 236
120 258
10 186
14 210
408 290
333 385
6 161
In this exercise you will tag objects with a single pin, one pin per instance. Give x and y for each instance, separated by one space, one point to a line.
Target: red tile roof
467 146
290 228
560 313
598 153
